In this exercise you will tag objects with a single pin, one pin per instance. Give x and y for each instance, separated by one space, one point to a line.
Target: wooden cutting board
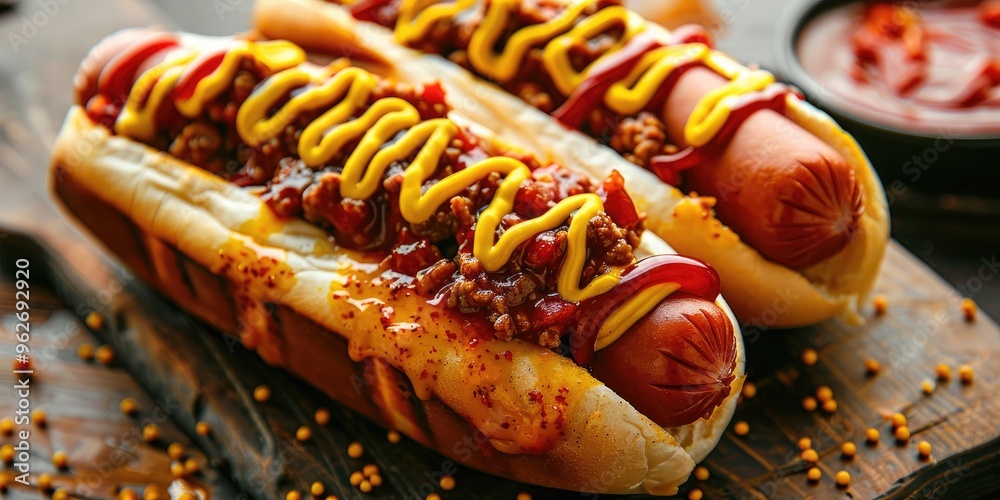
171 356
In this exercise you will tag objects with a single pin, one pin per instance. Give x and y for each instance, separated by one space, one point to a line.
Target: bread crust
181 213
760 291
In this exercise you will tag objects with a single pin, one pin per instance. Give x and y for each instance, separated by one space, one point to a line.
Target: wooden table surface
44 45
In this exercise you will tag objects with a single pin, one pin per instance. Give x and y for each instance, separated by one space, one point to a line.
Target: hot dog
477 278
798 211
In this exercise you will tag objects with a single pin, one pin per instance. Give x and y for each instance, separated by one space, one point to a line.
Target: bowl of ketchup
917 82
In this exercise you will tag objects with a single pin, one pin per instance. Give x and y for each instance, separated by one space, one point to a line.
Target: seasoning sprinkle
356 478
810 456
7 454
40 418
177 470
191 466
376 480
94 320
45 482
848 449
355 450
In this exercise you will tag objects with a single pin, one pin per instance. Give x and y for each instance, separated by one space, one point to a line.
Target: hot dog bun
263 264
761 291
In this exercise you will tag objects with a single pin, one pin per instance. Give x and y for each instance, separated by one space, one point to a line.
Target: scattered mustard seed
741 428
128 406
809 403
969 310
872 367
175 451
848 449
369 469
203 429
810 456
943 372
749 390
843 478
7 426
965 374
902 433
881 304
830 406
872 435
435 496
394 437
7 454
355 450
303 433
45 482
322 416
814 474
701 473
695 494
356 478
40 418
523 496
293 495
924 448
105 354
898 420
60 459
317 489
262 394
94 320
60 494
376 480
191 466
128 494
177 470
928 386
824 394
447 483
365 486
85 352
805 443
150 433
810 356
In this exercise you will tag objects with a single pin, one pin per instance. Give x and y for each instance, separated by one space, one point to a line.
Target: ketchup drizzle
694 276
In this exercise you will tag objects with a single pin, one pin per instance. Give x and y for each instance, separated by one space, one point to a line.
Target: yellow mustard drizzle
343 92
558 35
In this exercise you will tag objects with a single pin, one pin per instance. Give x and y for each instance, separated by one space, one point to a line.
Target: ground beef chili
520 300
638 138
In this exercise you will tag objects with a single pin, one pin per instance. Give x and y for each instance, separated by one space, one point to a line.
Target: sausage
85 81
676 364
783 190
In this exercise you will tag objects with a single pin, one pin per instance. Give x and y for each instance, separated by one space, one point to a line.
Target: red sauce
932 68
694 276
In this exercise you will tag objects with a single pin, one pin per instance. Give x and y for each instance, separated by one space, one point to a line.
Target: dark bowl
968 166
